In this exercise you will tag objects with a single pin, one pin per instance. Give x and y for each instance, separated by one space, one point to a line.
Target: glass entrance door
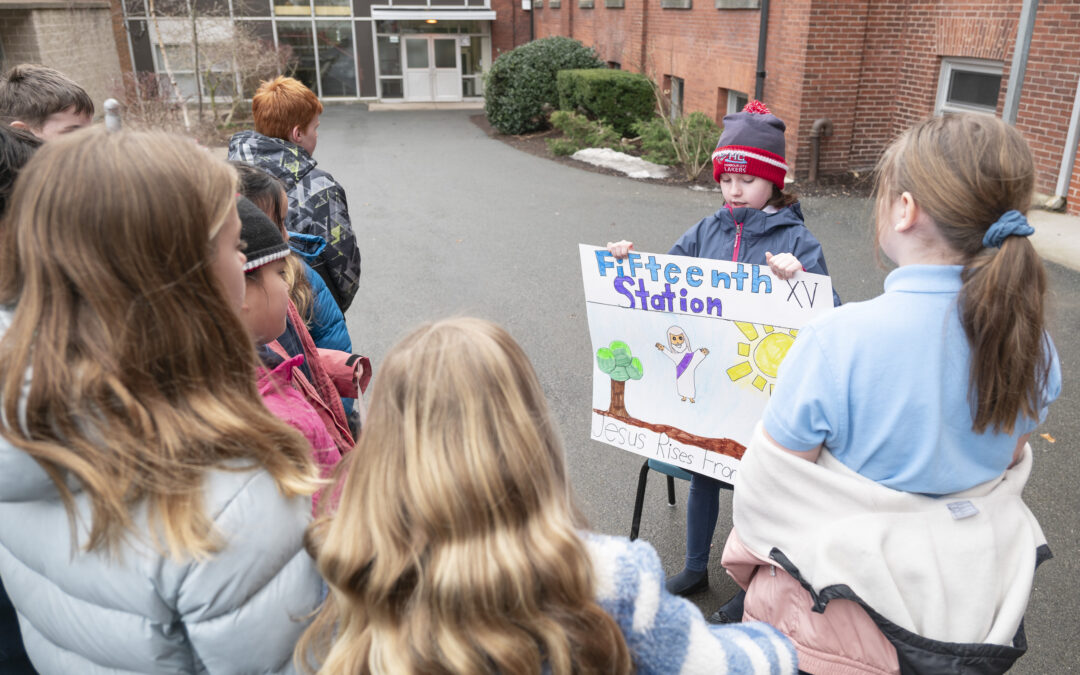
432 68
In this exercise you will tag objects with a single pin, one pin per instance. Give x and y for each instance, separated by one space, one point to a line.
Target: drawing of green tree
616 361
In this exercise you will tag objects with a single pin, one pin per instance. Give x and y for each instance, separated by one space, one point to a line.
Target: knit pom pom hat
262 237
752 143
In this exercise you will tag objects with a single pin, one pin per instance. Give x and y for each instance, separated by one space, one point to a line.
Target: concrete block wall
75 38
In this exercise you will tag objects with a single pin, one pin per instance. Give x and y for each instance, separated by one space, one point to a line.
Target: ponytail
1002 310
974 175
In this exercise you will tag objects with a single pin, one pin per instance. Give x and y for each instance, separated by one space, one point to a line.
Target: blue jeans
702 509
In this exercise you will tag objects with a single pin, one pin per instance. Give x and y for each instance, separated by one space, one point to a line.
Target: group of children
167 414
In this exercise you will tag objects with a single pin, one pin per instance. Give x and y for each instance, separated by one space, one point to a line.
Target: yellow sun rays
763 352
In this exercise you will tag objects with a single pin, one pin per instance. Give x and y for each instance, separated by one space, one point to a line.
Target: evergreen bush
618 97
580 132
656 144
687 141
523 80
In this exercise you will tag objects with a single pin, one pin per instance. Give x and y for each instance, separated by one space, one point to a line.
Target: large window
337 60
298 36
216 67
968 85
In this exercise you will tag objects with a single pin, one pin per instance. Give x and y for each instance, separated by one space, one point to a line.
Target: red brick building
871 67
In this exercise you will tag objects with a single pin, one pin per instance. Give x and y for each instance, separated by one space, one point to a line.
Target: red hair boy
286 132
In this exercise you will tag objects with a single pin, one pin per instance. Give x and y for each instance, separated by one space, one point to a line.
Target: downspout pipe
1068 156
822 126
763 36
1024 29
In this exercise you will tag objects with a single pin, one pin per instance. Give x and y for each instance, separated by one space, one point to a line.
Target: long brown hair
965 171
455 548
143 377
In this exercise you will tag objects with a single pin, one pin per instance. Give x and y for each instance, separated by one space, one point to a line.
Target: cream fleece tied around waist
953 579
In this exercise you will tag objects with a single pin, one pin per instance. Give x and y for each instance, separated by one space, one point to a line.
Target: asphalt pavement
451 222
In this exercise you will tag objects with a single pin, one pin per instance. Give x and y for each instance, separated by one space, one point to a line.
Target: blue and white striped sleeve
667 634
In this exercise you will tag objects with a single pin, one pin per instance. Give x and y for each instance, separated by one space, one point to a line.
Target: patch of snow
702 188
635 167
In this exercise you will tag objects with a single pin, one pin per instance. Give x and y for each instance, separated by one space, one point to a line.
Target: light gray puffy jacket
240 611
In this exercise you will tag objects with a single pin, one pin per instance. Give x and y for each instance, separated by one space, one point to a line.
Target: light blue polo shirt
883 384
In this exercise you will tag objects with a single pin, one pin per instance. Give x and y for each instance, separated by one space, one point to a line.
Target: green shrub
687 141
618 97
522 81
656 141
562 146
581 132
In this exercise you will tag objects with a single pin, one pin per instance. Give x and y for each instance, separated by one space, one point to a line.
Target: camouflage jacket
316 206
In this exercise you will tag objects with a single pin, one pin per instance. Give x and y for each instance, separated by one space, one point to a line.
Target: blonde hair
965 171
111 241
454 548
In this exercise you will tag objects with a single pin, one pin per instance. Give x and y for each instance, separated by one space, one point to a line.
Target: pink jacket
291 406
843 640
334 375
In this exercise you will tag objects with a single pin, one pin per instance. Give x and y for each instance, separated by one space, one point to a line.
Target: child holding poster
902 540
759 224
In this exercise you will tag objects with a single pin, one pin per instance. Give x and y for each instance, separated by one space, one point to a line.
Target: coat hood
276 371
286 161
757 223
307 246
22 479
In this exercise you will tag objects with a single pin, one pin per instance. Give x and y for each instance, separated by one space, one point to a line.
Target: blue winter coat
781 232
327 325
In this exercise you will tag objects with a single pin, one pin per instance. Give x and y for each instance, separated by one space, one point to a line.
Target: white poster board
686 350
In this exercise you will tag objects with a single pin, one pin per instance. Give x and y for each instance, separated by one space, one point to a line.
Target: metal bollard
112 115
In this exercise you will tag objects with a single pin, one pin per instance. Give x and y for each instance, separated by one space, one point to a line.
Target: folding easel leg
670 491
639 501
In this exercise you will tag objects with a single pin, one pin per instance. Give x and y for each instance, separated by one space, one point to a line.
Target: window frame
675 82
733 101
949 65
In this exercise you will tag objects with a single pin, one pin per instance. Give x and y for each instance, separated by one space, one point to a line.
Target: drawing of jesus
686 361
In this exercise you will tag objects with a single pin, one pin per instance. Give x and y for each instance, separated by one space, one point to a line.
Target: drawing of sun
764 351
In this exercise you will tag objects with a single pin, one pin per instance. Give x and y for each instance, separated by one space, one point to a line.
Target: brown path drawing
723 446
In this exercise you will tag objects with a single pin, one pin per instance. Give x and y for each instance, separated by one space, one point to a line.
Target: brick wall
75 38
870 66
1049 90
510 29
614 32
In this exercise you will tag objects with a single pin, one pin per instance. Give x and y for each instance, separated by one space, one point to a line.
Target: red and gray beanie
752 143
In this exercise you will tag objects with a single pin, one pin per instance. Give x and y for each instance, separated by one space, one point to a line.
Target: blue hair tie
1010 223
